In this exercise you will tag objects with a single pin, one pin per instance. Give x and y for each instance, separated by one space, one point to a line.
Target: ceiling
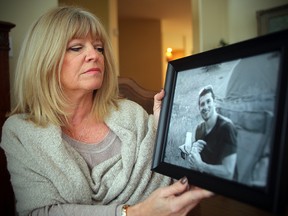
177 10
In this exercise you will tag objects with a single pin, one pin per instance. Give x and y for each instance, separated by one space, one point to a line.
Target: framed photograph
223 122
272 20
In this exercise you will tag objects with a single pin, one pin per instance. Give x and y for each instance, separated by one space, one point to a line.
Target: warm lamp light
169 54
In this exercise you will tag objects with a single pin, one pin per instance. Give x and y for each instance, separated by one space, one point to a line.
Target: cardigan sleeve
32 171
25 178
75 210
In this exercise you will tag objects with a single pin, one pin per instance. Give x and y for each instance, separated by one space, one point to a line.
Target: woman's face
83 66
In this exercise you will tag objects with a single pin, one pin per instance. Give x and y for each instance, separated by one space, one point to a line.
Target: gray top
96 153
93 154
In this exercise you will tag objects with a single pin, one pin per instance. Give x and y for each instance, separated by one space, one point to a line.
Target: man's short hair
205 90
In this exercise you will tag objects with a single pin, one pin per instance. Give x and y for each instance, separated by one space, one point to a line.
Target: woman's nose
91 54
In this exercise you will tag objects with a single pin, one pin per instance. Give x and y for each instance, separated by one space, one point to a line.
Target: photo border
273 198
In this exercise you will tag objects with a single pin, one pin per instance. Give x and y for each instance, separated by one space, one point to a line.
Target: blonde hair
37 84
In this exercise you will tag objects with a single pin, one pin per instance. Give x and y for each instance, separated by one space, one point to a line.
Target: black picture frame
250 80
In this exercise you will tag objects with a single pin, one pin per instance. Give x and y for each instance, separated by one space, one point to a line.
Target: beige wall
113 29
22 14
140 51
177 36
231 20
214 23
242 17
98 7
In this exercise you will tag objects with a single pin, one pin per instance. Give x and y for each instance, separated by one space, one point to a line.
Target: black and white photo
223 122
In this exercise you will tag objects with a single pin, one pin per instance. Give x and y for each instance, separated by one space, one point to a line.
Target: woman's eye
100 49
75 48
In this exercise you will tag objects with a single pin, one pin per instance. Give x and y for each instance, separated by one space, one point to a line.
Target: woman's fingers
177 188
157 105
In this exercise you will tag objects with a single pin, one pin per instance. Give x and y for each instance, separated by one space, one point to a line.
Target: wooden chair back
131 90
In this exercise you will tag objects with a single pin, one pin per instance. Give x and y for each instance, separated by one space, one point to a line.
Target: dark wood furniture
4 69
220 205
7 206
131 90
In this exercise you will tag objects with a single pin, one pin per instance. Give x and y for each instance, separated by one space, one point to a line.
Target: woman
72 146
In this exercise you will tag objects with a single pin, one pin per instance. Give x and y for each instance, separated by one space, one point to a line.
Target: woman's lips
93 71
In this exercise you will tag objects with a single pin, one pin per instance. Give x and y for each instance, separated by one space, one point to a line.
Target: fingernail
183 180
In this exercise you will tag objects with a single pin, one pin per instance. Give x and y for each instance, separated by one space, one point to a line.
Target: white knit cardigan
46 170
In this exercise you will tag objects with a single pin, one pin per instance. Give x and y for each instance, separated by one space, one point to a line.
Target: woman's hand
157 105
174 200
